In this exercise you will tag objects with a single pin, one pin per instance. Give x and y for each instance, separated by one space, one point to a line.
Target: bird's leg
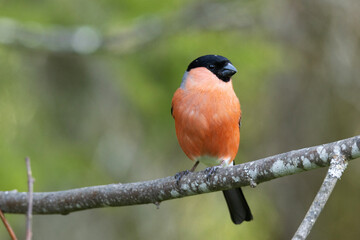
211 170
194 167
179 175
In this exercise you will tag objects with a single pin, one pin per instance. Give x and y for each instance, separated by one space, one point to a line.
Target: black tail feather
238 207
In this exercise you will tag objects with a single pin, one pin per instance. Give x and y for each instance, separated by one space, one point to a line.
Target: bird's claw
179 175
210 171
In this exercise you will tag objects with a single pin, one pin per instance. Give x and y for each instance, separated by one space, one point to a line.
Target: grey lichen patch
236 179
337 150
322 153
253 173
307 163
174 193
203 187
281 169
343 147
355 152
337 166
185 187
194 185
277 167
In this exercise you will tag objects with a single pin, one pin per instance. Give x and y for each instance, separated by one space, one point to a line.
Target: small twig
30 200
337 166
7 226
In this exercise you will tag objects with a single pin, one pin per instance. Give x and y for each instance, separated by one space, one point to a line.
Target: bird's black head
219 65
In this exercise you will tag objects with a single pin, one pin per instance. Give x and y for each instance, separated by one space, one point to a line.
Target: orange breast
207 118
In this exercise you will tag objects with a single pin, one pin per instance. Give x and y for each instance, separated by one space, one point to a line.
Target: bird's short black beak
228 70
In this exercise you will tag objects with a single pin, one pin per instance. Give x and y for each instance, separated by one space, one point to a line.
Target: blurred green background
86 88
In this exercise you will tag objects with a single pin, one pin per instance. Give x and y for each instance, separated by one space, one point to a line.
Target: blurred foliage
90 119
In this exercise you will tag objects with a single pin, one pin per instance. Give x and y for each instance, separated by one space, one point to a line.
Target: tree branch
155 191
337 167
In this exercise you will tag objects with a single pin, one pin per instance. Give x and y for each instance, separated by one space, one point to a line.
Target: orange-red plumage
207 112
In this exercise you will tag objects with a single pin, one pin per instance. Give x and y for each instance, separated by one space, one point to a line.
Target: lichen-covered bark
155 191
337 167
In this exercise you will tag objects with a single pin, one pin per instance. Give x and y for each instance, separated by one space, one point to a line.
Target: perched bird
207 121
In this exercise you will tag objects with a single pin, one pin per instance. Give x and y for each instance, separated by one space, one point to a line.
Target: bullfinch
207 118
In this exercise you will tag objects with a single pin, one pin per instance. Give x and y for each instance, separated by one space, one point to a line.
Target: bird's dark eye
211 66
